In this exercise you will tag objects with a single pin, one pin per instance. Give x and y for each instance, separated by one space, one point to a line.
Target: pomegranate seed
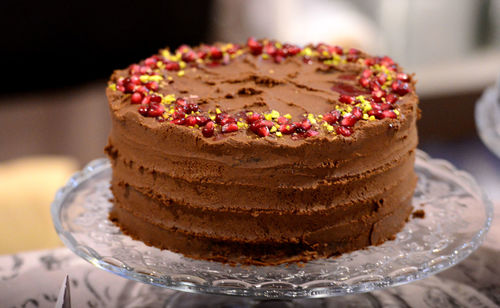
144 70
179 115
402 77
352 58
386 61
364 82
142 89
381 78
332 117
180 121
346 99
370 61
336 49
156 110
136 98
189 56
287 128
255 126
254 46
192 107
120 88
201 120
374 85
348 120
262 131
191 121
377 95
135 80
376 113
366 73
270 49
208 129
134 69
181 102
384 106
400 87
229 128
389 114
293 50
391 98
172 66
344 131
306 124
311 133
278 59
254 117
146 100
282 120
221 116
144 110
228 120
353 51
357 113
151 62
307 60
129 88
215 53
202 54
152 85
155 99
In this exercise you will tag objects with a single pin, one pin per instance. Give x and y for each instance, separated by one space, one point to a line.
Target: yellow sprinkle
180 73
278 45
199 61
307 51
279 134
273 129
113 86
182 64
268 117
288 116
365 116
240 124
239 52
325 53
171 111
371 118
265 56
156 78
165 53
212 117
396 111
249 113
330 128
217 110
275 114
170 78
144 78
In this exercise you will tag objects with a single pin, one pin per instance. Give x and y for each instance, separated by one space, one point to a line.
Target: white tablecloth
33 280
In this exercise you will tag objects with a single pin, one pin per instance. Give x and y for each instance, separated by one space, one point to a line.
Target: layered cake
262 153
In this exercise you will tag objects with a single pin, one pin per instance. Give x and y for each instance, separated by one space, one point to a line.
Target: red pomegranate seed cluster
380 78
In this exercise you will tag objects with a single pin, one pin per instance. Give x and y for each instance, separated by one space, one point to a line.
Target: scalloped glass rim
487 115
315 279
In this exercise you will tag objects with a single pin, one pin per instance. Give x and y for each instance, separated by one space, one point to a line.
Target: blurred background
57 56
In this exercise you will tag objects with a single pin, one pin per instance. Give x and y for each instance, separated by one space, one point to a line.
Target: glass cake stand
487 116
457 217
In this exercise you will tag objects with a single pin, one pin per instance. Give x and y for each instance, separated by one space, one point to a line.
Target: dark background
54 44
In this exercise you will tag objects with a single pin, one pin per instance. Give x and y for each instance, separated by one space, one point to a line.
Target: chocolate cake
262 153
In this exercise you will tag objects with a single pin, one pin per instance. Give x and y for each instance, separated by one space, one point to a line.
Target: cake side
306 193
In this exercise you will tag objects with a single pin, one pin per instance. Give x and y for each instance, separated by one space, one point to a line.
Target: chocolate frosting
242 198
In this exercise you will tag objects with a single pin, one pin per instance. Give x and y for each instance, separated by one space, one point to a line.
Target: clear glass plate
487 116
457 218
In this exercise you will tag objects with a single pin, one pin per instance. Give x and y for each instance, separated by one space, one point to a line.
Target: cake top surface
264 89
